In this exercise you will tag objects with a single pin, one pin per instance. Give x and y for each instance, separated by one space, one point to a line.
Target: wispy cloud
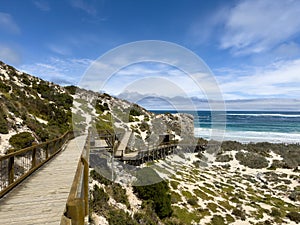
8 24
9 55
59 49
280 79
205 29
255 26
60 71
42 5
87 6
152 78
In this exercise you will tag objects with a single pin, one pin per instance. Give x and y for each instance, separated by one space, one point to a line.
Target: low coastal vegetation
29 104
254 183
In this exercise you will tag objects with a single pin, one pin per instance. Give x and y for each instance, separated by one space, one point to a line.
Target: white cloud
281 79
62 50
86 6
203 30
155 78
254 26
60 71
9 55
8 24
42 5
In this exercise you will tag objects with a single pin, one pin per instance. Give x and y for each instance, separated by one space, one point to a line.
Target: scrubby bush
100 108
192 201
3 123
98 199
252 160
144 126
71 89
223 158
21 140
119 217
295 196
239 213
135 111
275 212
217 220
102 180
261 148
231 146
294 216
158 193
4 87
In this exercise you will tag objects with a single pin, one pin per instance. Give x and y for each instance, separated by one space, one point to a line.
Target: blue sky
252 46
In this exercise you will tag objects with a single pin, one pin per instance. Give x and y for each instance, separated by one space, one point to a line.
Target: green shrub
192 201
240 214
252 160
4 87
21 140
3 123
102 180
100 108
223 158
144 126
158 193
98 200
231 145
275 212
71 89
119 217
135 111
119 194
217 220
294 216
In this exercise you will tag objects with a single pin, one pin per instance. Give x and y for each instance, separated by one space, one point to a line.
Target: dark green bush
135 111
192 201
159 194
119 217
4 87
96 176
100 108
21 140
295 196
3 123
71 89
217 220
144 126
231 145
294 216
240 214
223 158
98 200
119 194
252 160
275 212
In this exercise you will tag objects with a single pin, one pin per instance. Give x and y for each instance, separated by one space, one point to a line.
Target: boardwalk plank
41 198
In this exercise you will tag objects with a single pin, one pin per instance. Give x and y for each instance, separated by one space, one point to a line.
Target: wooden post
86 185
11 170
75 211
33 158
47 151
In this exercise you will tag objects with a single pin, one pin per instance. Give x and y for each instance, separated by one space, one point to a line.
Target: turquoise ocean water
248 126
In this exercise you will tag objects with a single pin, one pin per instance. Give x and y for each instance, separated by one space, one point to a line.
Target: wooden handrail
77 206
12 172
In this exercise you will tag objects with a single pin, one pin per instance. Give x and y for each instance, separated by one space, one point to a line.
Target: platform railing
18 165
77 206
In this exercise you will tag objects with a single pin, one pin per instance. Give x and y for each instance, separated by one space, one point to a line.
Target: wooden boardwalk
41 199
123 144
